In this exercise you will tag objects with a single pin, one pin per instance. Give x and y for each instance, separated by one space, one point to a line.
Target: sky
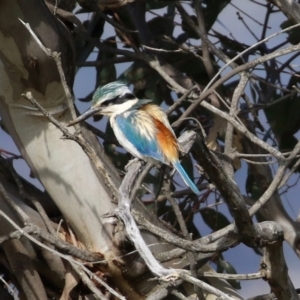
228 24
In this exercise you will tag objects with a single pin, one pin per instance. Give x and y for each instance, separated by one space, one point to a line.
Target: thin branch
249 276
244 130
66 257
124 205
228 189
33 200
16 208
201 284
245 51
239 90
87 281
56 57
278 179
191 256
103 63
205 47
193 246
180 100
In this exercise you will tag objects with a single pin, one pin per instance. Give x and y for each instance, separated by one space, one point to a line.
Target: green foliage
293 35
106 74
213 218
225 266
284 118
252 187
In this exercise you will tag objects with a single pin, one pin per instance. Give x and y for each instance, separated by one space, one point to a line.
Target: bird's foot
170 278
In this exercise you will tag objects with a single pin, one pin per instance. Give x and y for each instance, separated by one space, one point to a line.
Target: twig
103 63
201 284
9 288
155 64
132 230
239 69
56 57
87 281
193 246
179 295
32 199
138 182
205 47
185 16
244 130
246 50
228 189
180 100
191 256
229 129
16 208
63 246
164 289
249 276
278 179
66 257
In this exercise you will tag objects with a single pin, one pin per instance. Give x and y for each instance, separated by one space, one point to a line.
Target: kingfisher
140 126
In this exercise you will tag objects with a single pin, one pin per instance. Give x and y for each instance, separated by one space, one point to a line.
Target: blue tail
186 178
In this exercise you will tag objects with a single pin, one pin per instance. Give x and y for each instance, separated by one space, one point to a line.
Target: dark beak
85 115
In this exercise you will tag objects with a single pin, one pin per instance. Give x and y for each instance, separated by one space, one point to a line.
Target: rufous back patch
166 140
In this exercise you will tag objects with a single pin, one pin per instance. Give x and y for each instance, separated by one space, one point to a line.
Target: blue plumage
146 146
141 128
186 177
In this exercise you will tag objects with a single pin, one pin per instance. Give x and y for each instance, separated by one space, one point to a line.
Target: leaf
137 73
154 4
212 10
191 65
284 118
293 35
147 83
218 129
220 284
237 138
161 26
229 43
229 269
252 187
188 30
214 219
106 74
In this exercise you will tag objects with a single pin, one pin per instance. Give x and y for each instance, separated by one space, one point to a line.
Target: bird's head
111 99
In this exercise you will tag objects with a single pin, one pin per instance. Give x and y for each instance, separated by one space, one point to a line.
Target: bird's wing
164 133
138 137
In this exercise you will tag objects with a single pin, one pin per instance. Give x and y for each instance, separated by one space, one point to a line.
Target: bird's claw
170 278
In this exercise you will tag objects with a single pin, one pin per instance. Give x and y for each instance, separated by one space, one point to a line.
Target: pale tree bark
62 167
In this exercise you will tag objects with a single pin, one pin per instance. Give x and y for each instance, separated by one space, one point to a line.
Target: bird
140 126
